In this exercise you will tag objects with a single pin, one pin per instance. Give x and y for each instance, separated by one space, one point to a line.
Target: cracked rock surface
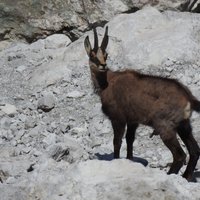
55 143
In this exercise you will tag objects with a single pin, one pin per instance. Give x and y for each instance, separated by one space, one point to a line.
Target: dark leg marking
185 133
170 140
118 128
130 137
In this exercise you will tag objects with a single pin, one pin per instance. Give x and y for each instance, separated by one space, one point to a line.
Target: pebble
5 123
46 103
9 109
30 122
75 94
21 68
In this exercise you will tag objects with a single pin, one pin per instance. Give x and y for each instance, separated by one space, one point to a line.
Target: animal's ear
87 45
105 40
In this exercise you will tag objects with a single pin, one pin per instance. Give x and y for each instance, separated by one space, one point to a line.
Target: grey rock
5 123
30 20
6 135
4 44
49 74
21 68
58 153
22 117
50 139
69 150
46 103
154 30
56 41
109 178
30 122
9 109
3 176
75 94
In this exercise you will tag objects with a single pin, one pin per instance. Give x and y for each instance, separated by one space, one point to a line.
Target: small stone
53 125
64 128
9 109
26 150
31 168
58 153
46 103
3 176
21 68
75 94
5 123
10 180
36 153
14 143
30 122
50 139
22 117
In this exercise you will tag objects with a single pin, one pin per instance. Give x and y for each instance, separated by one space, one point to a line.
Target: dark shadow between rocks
109 157
196 176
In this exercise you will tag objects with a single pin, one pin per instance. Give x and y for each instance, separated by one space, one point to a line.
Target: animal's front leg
118 128
130 137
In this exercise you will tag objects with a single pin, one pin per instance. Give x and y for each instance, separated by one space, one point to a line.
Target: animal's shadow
109 157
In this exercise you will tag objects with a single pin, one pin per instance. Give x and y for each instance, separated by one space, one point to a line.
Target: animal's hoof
154 133
190 178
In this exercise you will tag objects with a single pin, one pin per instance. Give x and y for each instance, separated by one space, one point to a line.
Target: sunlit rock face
30 20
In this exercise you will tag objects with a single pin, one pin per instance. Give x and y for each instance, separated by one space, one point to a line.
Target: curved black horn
105 40
96 45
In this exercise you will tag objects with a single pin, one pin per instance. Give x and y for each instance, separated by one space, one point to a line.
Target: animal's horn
96 45
105 40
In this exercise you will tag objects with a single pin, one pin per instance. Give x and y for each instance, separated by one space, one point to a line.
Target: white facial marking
100 56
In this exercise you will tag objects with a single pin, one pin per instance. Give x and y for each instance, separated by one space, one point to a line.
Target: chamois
130 98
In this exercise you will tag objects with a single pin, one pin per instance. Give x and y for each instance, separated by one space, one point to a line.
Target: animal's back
142 98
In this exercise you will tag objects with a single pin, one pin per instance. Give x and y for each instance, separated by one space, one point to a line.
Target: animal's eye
95 60
92 54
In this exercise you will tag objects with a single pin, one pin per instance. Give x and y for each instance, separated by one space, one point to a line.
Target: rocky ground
55 143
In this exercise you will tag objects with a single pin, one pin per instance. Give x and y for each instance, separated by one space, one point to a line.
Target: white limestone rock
56 41
46 103
8 109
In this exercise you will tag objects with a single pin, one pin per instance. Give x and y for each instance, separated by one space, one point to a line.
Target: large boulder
120 179
154 38
33 19
108 180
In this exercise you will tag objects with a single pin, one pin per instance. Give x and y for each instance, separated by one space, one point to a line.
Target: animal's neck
99 79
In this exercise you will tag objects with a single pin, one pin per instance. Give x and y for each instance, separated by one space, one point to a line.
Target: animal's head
97 55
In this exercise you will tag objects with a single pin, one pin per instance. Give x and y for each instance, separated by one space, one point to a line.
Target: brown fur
130 98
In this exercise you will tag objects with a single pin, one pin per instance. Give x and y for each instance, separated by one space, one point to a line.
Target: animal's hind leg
170 140
118 128
130 137
185 133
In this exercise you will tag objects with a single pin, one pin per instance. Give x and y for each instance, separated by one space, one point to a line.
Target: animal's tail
196 105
